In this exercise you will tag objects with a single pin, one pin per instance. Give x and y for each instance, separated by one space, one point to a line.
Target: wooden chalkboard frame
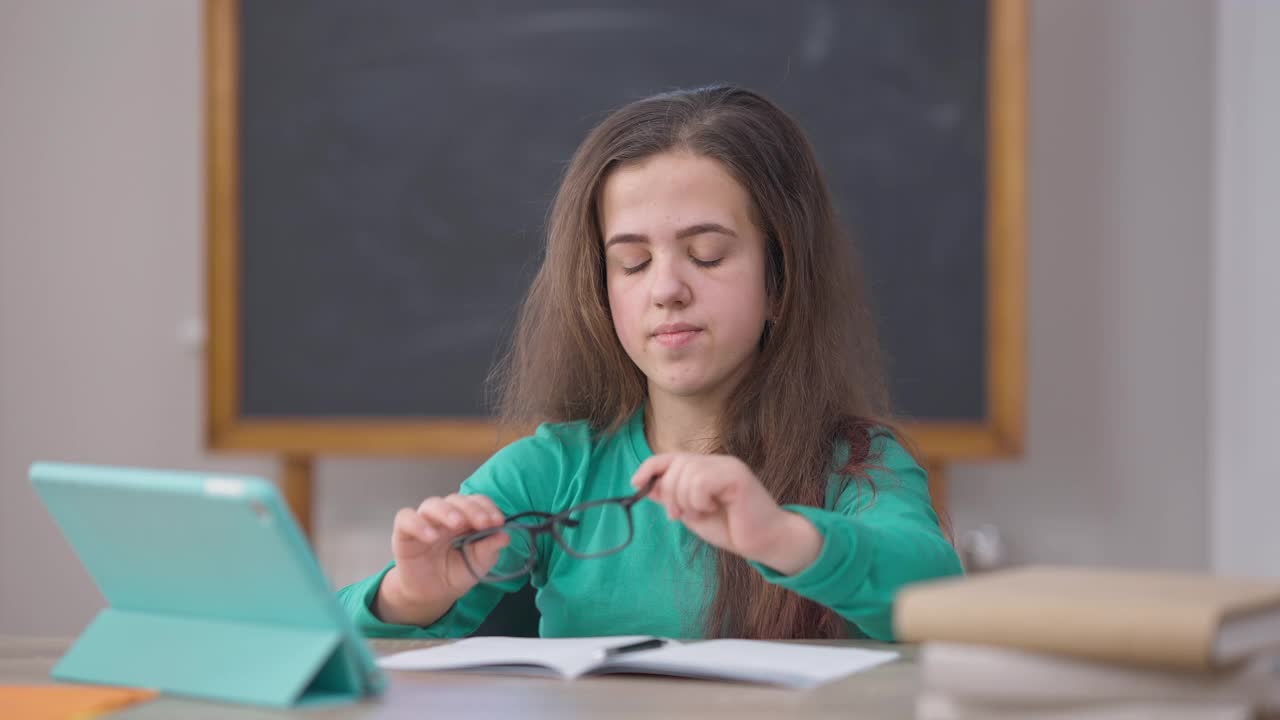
1000 435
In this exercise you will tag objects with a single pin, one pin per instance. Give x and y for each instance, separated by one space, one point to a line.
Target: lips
675 335
679 327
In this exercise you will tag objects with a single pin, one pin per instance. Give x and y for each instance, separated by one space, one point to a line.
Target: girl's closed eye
633 268
708 252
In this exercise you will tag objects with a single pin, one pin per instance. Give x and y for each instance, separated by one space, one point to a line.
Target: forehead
670 189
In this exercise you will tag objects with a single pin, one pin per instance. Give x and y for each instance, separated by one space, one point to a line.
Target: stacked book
1094 644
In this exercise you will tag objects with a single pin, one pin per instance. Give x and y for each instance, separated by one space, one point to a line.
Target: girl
696 336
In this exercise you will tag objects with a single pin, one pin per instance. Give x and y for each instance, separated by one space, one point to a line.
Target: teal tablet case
211 589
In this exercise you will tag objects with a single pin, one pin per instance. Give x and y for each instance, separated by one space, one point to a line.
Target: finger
409 525
473 512
644 474
444 515
656 465
484 554
690 487
658 493
695 496
646 488
487 507
705 493
673 481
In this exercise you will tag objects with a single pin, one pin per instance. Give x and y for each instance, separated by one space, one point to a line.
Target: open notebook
792 665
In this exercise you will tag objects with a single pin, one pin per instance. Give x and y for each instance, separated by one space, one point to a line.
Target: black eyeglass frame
552 523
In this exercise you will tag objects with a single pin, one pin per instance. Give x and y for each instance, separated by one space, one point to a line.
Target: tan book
1175 620
1006 677
938 706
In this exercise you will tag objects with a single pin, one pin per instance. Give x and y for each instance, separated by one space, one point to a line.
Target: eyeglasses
590 530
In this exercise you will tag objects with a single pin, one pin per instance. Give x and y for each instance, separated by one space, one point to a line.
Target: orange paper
66 702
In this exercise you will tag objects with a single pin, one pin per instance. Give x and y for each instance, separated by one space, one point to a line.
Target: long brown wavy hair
817 382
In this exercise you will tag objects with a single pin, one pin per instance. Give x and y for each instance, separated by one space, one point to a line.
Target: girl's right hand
429 575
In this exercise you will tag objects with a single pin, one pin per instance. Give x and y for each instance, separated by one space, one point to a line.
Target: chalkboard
387 169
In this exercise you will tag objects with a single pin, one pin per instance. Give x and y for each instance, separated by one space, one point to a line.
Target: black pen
634 647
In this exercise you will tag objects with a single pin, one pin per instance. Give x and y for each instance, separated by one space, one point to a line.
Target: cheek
744 321
743 307
622 314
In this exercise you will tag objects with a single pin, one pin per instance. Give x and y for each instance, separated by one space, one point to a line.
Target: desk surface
882 693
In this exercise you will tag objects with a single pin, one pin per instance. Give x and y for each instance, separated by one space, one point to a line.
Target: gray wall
1121 189
1245 359
101 211
101 280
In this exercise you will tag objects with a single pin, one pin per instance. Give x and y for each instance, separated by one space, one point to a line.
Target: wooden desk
883 693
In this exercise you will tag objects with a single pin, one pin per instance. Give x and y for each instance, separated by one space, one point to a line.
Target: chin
685 388
685 392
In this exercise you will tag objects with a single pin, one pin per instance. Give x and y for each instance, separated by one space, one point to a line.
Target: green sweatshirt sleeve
461 620
874 543
515 478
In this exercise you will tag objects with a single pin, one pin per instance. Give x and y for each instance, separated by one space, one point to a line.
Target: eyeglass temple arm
644 490
530 513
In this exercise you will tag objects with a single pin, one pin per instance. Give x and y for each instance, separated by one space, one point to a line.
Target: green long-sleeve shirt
873 544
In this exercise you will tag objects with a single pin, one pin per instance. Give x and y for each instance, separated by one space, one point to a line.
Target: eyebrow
688 232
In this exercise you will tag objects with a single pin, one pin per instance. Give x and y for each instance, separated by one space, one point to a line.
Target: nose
669 287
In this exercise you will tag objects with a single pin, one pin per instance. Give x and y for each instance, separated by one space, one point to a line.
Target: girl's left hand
720 500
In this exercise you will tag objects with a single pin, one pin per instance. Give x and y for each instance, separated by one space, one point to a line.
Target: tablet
211 589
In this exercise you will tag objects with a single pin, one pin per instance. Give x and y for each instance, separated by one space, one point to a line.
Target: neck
681 424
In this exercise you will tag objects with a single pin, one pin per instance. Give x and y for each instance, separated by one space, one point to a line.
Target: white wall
1245 370
100 227
1120 192
100 264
